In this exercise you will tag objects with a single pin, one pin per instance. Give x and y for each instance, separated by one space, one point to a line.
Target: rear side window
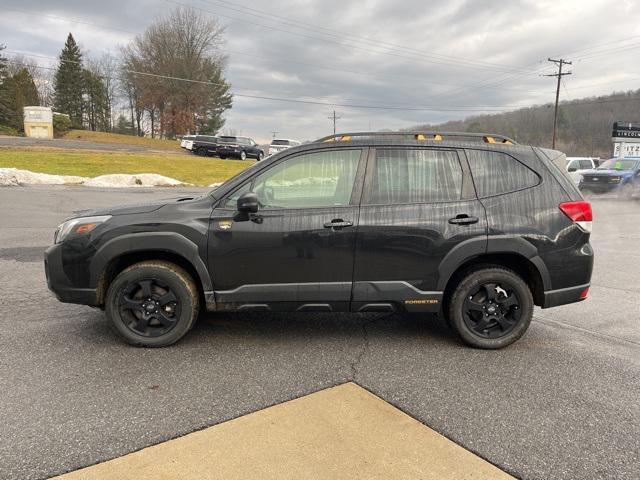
495 173
415 176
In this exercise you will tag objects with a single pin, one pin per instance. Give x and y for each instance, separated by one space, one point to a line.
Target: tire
223 157
127 300
201 152
243 155
490 308
260 156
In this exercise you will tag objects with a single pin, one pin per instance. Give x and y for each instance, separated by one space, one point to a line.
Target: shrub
6 130
61 124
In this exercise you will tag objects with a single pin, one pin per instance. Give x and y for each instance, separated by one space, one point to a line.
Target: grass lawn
103 137
186 168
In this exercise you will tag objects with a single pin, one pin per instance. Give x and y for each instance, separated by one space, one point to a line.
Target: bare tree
176 70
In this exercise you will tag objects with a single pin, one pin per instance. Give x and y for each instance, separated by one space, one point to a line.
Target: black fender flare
475 247
171 242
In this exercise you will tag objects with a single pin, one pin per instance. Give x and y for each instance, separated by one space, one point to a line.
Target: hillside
104 137
584 125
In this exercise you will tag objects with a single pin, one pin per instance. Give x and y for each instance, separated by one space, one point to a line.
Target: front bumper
59 283
600 187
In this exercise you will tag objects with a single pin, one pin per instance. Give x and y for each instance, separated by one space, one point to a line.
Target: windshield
228 139
280 142
618 164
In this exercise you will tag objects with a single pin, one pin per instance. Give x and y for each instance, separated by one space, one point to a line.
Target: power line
338 34
560 74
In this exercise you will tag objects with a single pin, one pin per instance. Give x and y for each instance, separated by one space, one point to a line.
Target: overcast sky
454 58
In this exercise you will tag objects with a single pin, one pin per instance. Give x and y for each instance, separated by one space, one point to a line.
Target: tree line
167 81
584 126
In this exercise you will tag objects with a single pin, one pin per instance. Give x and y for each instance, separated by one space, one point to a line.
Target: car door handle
463 220
338 223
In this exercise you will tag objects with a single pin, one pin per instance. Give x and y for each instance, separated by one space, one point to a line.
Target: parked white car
187 141
280 144
576 166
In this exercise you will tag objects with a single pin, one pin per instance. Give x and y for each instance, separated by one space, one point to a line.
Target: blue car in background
621 175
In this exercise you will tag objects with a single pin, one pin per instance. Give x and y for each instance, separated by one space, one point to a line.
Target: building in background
38 122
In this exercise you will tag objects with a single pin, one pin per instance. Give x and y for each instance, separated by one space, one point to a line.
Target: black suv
472 226
204 145
238 147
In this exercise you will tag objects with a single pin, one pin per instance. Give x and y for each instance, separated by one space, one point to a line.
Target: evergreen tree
21 91
69 83
97 110
5 110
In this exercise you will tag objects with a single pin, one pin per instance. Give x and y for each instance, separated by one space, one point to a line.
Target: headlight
78 226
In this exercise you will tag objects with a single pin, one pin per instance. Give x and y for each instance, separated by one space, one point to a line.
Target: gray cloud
268 61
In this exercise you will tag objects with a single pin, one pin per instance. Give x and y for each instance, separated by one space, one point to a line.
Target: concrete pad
341 432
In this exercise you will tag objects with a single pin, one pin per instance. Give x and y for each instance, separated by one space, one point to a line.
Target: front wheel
260 156
491 308
152 304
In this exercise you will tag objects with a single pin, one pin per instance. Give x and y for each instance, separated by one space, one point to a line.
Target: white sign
630 149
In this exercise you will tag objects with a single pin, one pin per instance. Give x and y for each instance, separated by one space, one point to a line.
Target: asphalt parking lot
563 402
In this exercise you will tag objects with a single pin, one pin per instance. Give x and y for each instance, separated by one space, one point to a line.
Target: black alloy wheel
152 303
492 310
490 307
150 307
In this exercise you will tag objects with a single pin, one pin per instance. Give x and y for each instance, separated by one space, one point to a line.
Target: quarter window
415 176
322 179
495 173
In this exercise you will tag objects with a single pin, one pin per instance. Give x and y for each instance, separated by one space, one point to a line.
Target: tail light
584 294
578 212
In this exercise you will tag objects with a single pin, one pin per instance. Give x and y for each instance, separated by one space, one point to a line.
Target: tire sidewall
243 155
166 275
490 275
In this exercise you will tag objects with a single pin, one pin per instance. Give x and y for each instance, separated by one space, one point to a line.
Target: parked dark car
616 174
470 226
238 147
205 145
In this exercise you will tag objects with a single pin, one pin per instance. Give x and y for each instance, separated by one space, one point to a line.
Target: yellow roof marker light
345 138
420 137
437 137
488 139
507 142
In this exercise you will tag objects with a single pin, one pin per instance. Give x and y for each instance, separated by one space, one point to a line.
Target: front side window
585 164
321 179
415 176
495 173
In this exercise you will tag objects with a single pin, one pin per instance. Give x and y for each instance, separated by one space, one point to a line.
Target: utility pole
274 134
560 74
334 118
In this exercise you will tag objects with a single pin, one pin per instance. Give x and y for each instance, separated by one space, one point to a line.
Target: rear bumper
59 283
564 296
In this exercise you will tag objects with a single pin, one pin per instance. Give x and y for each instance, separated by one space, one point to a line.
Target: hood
607 173
137 208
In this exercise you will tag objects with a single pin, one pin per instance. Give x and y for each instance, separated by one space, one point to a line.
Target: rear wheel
260 156
201 152
152 304
490 308
243 155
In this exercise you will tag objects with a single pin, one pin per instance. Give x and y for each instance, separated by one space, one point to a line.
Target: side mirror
248 203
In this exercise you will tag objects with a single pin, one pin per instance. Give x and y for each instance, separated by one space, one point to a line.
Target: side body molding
151 241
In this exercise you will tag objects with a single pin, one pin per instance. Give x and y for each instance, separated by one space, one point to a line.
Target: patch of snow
14 176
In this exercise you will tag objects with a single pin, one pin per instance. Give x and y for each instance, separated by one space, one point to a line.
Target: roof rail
422 136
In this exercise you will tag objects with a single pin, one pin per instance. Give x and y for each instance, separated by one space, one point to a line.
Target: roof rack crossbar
422 135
